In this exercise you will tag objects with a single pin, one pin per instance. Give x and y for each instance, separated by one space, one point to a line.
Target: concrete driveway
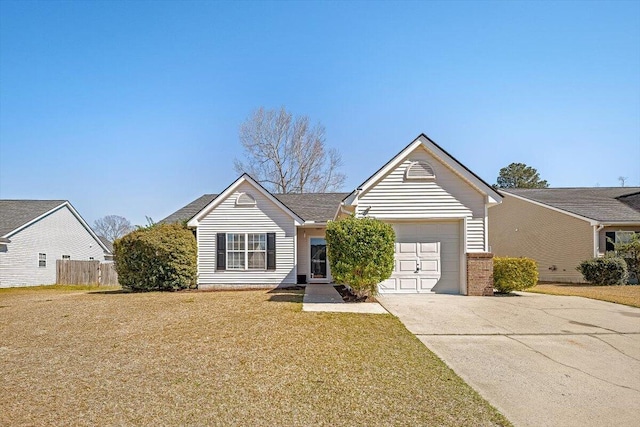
542 360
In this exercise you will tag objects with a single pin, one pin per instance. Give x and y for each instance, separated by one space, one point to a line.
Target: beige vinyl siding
602 237
59 233
518 228
448 196
264 217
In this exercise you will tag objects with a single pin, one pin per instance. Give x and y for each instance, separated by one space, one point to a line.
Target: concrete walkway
542 360
324 297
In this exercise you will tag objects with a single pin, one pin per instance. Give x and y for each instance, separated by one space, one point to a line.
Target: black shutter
271 251
609 245
221 251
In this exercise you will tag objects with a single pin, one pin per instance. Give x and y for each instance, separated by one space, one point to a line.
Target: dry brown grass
627 295
72 357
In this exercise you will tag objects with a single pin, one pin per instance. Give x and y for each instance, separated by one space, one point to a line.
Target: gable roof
439 152
190 210
602 204
17 213
245 178
316 207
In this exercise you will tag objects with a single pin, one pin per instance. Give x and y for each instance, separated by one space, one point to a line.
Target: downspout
596 239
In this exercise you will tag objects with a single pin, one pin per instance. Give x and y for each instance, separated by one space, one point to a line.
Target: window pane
257 260
235 261
235 242
257 242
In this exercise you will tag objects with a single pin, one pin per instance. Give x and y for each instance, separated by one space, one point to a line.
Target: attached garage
427 258
438 209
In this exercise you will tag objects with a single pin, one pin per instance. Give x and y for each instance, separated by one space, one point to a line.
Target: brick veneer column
480 274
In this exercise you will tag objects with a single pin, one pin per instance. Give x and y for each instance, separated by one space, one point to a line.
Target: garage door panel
429 266
406 266
428 248
406 248
408 284
435 247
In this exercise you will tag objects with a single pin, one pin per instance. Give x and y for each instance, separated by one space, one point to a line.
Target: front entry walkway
541 360
324 297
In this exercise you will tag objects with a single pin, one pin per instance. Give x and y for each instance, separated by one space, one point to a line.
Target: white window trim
430 177
246 251
42 257
66 257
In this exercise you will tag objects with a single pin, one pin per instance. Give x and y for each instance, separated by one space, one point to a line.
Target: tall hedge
161 257
514 274
360 252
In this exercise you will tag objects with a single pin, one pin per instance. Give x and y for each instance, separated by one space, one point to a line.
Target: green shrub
514 274
160 257
360 252
604 271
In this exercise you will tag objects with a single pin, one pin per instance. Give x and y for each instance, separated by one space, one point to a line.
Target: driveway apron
542 360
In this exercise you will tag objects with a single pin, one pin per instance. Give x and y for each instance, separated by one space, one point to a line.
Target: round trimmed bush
605 271
514 274
360 252
161 257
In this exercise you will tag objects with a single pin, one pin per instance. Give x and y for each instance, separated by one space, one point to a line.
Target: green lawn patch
218 358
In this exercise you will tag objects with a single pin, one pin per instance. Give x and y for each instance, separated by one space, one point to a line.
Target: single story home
248 237
561 227
36 233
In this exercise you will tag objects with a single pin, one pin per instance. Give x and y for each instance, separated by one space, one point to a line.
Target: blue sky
133 108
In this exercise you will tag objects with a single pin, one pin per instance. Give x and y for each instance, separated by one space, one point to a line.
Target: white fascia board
620 224
195 221
89 229
36 219
386 169
562 211
74 212
444 157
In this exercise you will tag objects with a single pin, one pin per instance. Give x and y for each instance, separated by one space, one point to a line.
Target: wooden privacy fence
73 272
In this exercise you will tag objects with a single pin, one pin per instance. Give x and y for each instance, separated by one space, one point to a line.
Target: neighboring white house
249 237
36 233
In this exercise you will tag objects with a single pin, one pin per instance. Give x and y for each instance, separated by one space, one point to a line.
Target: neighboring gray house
561 227
249 237
36 233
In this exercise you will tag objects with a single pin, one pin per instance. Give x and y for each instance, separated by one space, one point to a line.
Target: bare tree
112 227
288 155
623 180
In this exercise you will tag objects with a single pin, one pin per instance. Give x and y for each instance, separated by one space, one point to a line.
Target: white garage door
427 259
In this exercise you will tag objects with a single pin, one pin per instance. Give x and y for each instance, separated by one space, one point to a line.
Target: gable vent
245 199
420 170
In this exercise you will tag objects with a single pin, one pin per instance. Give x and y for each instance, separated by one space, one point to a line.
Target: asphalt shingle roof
318 207
16 213
604 204
189 211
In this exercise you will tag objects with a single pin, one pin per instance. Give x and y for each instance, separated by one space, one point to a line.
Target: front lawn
627 295
72 357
